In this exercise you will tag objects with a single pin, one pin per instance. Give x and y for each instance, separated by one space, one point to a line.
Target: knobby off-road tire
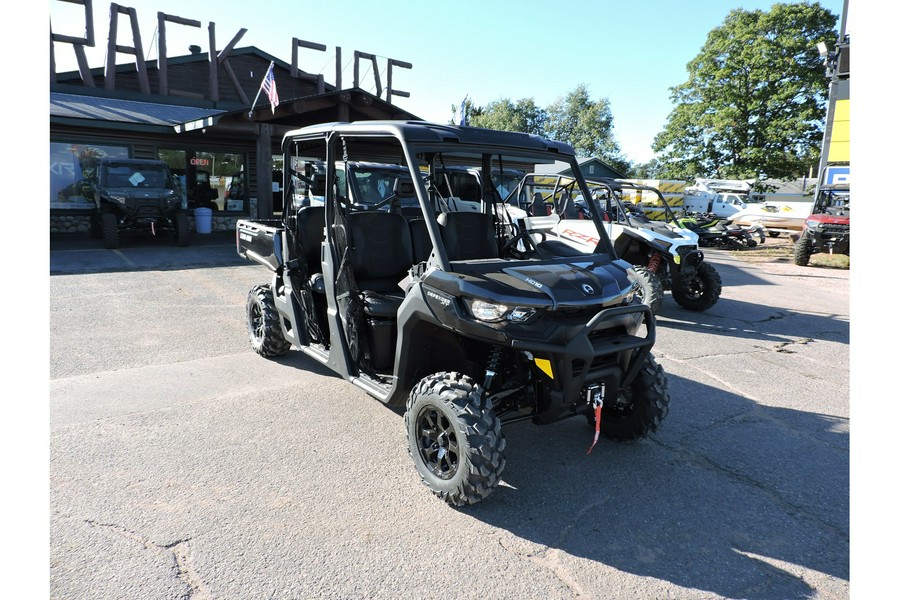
454 438
96 226
651 288
263 324
701 291
802 251
640 408
110 230
182 229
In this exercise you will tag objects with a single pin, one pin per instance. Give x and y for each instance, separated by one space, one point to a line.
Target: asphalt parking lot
183 465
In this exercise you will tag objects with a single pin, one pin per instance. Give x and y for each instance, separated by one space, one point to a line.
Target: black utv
135 196
469 320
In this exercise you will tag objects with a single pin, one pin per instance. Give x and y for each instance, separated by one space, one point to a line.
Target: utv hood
134 198
573 284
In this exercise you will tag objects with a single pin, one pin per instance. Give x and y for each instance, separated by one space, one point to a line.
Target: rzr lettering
581 236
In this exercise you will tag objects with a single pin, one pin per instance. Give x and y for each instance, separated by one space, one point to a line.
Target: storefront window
69 165
209 179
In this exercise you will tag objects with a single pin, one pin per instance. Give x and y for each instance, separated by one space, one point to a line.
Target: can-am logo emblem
587 289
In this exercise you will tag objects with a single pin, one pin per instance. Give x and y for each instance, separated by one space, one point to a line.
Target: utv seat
311 232
421 242
381 255
468 235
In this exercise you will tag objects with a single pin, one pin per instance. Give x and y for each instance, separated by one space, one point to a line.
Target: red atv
827 229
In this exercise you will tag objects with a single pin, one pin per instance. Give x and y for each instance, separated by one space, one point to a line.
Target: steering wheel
523 236
389 200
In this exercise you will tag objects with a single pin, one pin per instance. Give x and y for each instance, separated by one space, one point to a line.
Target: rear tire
802 251
109 224
701 291
639 408
263 323
651 288
454 438
182 229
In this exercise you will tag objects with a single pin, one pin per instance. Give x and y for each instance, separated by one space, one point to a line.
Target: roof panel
76 106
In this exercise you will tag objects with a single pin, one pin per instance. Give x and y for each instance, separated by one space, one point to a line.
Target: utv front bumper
831 238
607 350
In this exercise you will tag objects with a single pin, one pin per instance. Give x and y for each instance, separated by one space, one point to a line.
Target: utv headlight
491 312
487 311
813 224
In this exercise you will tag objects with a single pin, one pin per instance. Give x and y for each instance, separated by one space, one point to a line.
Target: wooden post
390 79
213 64
264 207
78 45
113 48
338 70
163 62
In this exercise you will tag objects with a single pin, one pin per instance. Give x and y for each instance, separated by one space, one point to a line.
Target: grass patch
781 249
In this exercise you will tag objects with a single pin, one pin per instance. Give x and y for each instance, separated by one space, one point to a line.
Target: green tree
652 169
587 126
504 114
575 119
754 102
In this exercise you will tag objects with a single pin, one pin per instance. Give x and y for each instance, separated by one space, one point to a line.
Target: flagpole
259 91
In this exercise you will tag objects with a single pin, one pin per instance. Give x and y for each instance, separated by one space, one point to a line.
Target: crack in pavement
180 552
704 462
784 346
548 558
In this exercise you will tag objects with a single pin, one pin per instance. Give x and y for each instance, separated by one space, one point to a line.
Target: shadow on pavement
79 253
744 497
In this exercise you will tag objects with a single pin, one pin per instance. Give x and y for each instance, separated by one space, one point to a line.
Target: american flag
268 85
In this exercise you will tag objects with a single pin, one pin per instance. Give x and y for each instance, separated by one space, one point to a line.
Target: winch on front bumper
607 350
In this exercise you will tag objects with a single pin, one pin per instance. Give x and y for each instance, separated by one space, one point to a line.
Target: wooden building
194 113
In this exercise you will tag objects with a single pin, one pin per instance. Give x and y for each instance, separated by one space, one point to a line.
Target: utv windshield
136 176
454 183
625 201
373 184
834 200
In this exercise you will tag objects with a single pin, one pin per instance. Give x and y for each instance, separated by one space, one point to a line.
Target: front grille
606 340
835 228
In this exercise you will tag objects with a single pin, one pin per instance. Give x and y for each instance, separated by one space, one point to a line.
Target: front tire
701 291
109 225
640 408
454 438
263 323
802 251
651 288
96 226
182 229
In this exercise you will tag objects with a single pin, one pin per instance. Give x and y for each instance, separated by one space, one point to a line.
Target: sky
630 53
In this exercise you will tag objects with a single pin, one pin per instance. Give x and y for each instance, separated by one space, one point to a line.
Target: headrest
404 188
